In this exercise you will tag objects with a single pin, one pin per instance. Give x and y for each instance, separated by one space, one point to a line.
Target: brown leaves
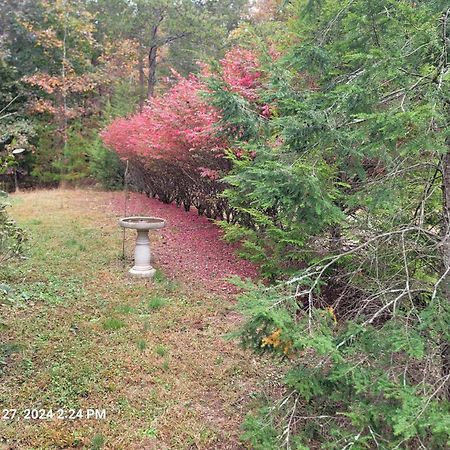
72 83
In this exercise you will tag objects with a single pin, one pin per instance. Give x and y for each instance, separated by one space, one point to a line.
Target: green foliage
52 291
105 165
83 157
160 350
70 164
141 344
97 442
16 129
156 303
113 324
343 194
12 237
342 376
260 432
287 201
206 26
122 101
74 165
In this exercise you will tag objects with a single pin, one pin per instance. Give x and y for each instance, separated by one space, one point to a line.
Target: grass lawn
77 333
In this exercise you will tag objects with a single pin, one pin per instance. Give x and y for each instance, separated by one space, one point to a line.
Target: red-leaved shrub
174 146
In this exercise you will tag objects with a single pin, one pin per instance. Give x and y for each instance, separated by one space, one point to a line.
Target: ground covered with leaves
77 332
190 247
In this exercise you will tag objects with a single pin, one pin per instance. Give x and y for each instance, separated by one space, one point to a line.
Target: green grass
113 324
77 332
161 350
141 344
156 303
159 277
97 442
125 309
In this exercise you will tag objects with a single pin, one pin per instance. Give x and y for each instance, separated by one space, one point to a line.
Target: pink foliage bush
174 144
240 72
171 127
181 123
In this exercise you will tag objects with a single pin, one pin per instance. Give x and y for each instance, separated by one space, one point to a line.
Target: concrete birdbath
142 255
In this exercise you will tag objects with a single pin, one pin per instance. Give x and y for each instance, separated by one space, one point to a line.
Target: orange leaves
81 83
41 106
53 84
47 83
274 340
46 38
330 311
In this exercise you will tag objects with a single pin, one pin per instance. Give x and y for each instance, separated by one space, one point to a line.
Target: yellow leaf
330 310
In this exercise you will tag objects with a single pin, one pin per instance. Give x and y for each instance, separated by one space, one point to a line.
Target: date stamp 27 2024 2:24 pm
51 414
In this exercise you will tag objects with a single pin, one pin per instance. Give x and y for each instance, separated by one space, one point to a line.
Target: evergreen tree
348 201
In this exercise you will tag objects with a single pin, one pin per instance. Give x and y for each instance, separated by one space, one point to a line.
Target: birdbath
142 267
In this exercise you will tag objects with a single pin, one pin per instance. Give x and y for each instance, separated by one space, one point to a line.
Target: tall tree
64 37
16 129
175 33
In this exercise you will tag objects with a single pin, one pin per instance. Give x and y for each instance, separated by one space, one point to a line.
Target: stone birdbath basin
142 254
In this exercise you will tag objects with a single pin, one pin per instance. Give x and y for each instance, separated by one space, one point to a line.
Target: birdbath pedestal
142 254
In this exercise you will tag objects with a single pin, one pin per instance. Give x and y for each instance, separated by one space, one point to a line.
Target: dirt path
76 332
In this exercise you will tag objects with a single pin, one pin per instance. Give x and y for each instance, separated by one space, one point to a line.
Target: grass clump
161 350
97 442
113 324
141 344
125 309
156 303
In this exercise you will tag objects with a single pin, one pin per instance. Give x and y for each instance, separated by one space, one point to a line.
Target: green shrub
105 165
11 236
369 384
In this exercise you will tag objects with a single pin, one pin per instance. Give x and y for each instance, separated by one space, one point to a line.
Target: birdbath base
142 254
138 273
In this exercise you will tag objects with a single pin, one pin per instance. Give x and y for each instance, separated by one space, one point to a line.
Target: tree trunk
445 244
445 272
446 211
141 81
152 55
152 71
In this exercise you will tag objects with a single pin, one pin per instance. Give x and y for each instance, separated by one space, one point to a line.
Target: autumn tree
69 72
64 37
